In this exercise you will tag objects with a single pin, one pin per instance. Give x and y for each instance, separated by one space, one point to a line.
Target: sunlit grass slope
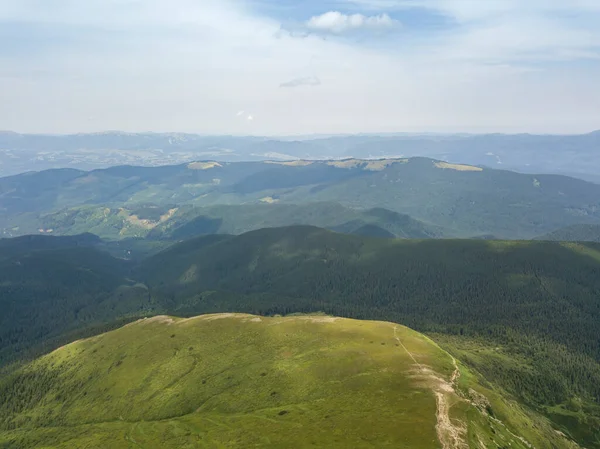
234 380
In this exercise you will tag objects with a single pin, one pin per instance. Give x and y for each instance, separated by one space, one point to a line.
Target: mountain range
449 199
334 302
573 155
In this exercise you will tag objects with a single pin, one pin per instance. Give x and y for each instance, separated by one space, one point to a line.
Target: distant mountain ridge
574 155
464 199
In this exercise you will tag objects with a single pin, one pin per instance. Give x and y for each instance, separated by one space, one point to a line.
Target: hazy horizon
299 136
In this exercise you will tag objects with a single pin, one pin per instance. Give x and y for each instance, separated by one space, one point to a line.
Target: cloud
336 22
304 81
190 65
505 31
477 9
240 113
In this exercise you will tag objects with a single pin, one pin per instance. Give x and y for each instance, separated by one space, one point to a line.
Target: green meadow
236 380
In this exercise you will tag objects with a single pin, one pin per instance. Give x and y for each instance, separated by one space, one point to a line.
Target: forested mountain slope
466 199
421 282
247 381
50 286
575 233
171 222
20 245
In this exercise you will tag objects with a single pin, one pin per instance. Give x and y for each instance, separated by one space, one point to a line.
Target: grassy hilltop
235 380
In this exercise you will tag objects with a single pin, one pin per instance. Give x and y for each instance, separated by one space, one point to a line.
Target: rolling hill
246 381
465 200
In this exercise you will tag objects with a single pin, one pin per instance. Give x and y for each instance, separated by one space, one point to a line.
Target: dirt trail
450 435
455 374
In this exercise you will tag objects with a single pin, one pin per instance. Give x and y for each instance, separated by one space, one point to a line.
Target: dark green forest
575 233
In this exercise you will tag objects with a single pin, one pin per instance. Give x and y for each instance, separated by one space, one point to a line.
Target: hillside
575 233
172 222
18 245
465 199
53 286
465 282
246 381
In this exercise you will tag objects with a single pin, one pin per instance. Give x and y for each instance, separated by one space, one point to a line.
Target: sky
283 67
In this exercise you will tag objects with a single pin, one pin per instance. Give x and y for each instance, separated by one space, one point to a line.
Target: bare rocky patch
147 224
269 200
203 165
457 167
299 163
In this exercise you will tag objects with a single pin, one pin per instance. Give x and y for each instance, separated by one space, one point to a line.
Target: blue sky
297 67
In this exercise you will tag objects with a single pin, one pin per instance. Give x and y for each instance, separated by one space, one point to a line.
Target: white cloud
302 81
477 9
336 22
185 65
508 31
